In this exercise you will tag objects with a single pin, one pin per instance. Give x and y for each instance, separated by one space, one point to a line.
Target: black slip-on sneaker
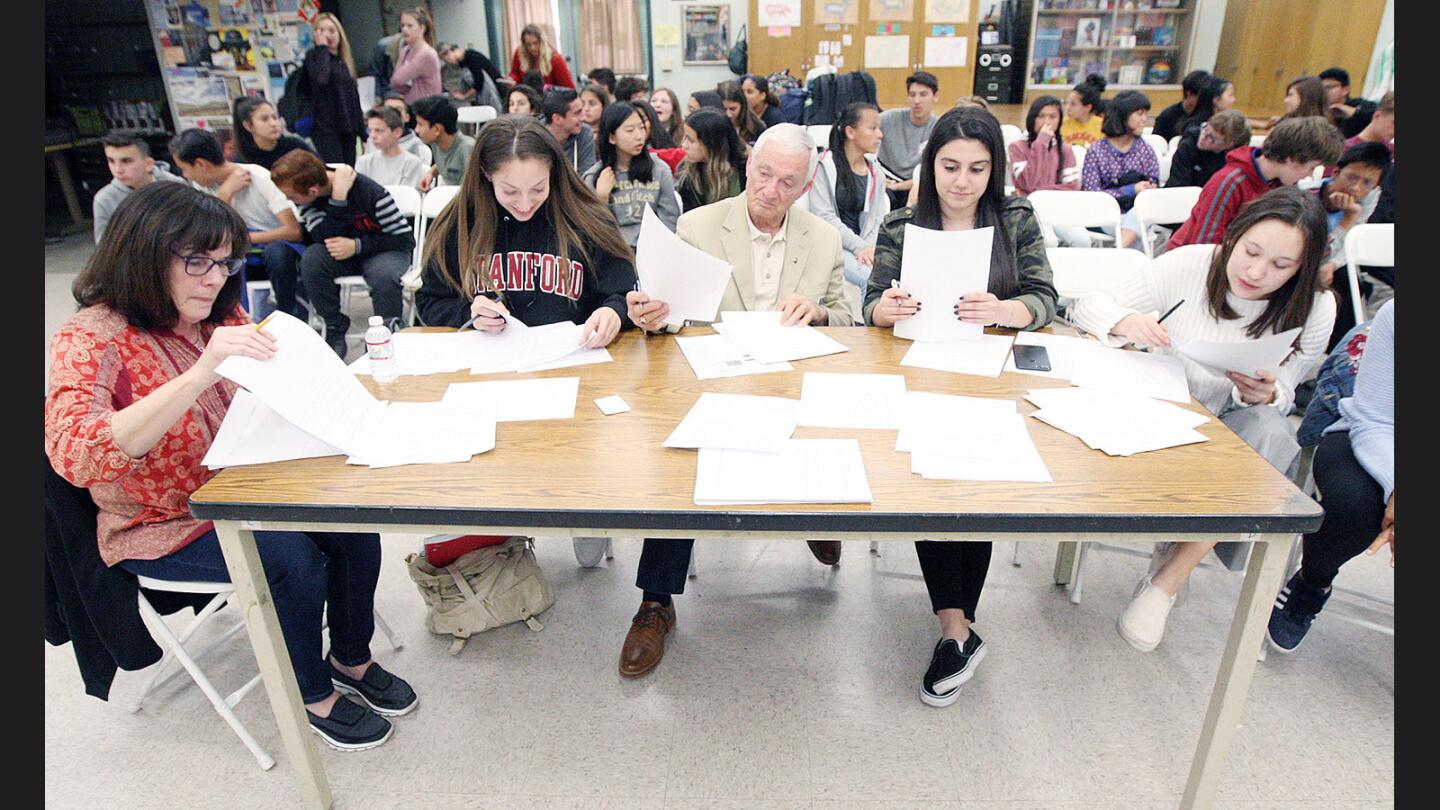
951 665
381 691
351 727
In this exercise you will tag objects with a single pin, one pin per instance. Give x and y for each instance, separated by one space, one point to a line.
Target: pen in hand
1169 311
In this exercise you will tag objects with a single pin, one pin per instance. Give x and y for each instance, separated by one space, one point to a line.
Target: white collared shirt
767 255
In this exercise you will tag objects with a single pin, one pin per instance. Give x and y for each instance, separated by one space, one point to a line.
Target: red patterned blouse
101 364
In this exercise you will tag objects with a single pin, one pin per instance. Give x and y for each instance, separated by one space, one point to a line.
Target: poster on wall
198 93
837 12
777 13
892 11
946 51
887 52
706 34
944 11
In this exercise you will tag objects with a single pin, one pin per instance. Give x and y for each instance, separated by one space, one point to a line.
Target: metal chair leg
691 573
1079 583
875 547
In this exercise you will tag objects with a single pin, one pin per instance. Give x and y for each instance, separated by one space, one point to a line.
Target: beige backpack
482 589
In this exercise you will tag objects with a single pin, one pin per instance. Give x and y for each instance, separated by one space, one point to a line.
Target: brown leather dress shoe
645 643
826 551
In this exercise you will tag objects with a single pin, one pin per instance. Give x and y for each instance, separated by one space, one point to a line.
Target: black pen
1170 311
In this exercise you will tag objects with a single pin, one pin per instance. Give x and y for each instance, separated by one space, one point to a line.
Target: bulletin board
215 51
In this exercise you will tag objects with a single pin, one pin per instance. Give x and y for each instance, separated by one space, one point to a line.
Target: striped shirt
368 215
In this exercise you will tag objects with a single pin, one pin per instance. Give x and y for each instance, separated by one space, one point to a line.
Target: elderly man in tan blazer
784 259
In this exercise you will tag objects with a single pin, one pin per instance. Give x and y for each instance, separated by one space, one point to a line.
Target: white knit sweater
1178 275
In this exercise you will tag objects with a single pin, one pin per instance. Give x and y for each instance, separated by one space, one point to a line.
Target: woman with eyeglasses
133 405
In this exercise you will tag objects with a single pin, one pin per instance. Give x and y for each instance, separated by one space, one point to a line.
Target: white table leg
1237 667
252 596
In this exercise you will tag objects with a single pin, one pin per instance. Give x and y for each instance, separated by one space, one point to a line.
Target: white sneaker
589 551
1158 557
1142 623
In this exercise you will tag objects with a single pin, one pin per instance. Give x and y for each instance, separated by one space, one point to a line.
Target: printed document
851 400
712 356
936 269
1243 357
1131 372
519 400
736 422
803 471
983 357
672 270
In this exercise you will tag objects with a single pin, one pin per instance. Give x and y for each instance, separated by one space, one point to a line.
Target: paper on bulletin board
896 10
667 35
822 60
887 52
946 51
778 31
839 63
778 13
847 40
947 11
837 12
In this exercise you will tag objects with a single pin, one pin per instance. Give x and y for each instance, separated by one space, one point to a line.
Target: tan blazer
813 265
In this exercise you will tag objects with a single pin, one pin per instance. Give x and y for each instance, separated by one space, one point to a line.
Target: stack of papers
254 434
687 278
967 439
802 471
761 336
984 356
937 268
429 433
535 348
1117 423
1061 348
519 400
865 401
712 356
1131 372
736 422
1245 357
419 353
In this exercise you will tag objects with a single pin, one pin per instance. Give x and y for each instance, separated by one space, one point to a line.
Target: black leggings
954 573
1354 508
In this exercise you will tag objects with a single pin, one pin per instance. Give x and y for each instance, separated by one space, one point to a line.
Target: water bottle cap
376 320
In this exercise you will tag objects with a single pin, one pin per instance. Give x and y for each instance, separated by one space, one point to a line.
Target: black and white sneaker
351 727
381 691
1296 607
951 666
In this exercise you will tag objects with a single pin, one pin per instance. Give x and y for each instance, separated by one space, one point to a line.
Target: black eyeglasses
200 264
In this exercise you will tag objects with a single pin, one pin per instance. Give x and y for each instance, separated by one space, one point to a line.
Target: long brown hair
1290 305
547 51
130 268
422 16
581 223
1312 97
343 48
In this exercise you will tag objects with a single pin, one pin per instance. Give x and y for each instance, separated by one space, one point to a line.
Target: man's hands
645 312
1349 205
796 309
428 178
866 256
238 180
340 247
1343 110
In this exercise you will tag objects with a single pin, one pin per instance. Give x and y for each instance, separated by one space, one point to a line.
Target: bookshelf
1134 44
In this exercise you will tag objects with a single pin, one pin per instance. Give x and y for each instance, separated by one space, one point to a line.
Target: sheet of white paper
430 433
929 421
551 342
862 401
737 422
419 353
254 434
887 52
612 405
1123 407
672 270
308 386
712 356
1060 348
520 400
946 51
1131 372
1119 424
803 471
937 268
984 357
1118 439
1244 357
779 344
580 357
1003 451
770 317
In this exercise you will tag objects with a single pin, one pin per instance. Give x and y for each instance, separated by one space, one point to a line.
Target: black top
772 116
850 198
479 63
1166 123
334 95
1364 111
1191 165
260 157
523 269
368 214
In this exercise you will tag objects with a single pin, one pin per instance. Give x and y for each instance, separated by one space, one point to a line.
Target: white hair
792 139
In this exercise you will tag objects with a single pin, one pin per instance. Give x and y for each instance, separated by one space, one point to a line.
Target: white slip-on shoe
1142 624
1158 557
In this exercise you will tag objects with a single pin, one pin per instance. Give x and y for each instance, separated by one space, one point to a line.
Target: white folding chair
407 200
175 650
475 116
1164 168
1157 143
1079 271
1079 151
1257 140
821 134
1147 130
1367 244
1084 209
1011 134
819 70
431 205
1173 145
1162 206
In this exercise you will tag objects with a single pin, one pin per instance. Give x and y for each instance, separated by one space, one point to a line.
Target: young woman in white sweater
849 189
1264 278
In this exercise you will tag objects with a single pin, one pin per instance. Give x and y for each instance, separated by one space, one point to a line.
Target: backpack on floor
792 105
482 589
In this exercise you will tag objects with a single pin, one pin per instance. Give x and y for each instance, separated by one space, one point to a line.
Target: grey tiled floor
786 685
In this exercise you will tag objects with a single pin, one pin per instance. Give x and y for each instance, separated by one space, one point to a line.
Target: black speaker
994 70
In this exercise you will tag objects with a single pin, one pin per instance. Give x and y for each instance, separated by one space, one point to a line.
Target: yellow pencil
265 321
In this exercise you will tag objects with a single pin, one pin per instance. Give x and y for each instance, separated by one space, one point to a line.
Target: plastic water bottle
381 350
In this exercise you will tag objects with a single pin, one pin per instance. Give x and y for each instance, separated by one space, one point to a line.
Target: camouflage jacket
1037 291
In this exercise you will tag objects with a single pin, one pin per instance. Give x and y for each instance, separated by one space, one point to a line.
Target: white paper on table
420 353
1131 372
672 270
1060 348
929 420
946 51
736 422
580 357
887 52
254 434
1003 452
1118 439
740 317
308 385
779 344
984 357
1119 424
1243 357
860 401
1124 407
803 471
520 400
430 433
937 268
551 342
612 405
523 348
712 356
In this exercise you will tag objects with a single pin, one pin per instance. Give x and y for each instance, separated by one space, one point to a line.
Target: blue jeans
854 272
306 571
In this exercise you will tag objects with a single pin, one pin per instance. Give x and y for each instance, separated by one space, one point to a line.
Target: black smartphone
1031 358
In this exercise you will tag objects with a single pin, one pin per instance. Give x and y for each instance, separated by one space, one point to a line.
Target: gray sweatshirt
628 199
823 205
109 198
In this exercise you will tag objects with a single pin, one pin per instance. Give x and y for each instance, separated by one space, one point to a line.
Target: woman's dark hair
763 85
195 143
1194 81
746 123
725 156
535 79
976 124
659 135
1090 91
1118 111
849 117
600 91
1210 89
536 101
245 108
130 269
1313 100
605 77
615 115
709 98
1290 305
1057 143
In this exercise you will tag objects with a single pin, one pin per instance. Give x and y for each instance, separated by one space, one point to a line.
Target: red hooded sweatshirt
1227 191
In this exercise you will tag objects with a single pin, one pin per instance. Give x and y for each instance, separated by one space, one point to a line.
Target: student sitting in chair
133 404
906 129
714 164
849 188
437 122
626 176
389 164
1123 164
131 168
